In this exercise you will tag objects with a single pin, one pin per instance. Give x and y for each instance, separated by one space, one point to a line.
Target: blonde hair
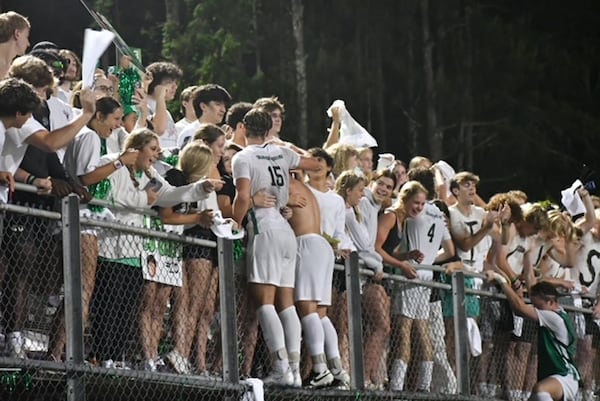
137 139
195 161
561 225
419 161
408 190
341 153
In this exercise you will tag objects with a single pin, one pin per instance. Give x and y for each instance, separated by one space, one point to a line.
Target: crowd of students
301 210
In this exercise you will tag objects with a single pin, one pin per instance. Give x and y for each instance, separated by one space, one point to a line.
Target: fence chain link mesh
145 337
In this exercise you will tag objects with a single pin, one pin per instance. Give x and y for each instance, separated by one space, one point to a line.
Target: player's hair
257 122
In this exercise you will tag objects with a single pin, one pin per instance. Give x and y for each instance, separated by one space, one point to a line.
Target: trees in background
507 89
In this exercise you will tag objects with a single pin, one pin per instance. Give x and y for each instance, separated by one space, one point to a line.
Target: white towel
474 337
447 171
351 132
257 393
571 200
385 160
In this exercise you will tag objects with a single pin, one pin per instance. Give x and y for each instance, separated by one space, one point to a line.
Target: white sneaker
323 379
178 362
282 379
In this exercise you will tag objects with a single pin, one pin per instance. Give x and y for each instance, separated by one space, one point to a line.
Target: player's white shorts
272 258
569 386
314 269
411 301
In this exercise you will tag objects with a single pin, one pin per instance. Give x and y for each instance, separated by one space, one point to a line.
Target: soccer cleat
323 379
341 378
282 379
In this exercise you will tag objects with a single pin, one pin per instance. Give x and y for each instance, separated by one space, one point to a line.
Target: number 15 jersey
267 167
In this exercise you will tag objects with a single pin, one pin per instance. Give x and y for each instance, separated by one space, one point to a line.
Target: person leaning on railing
119 278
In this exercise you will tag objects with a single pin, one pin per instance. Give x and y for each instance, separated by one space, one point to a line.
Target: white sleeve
86 152
356 231
554 323
124 193
20 135
240 167
169 195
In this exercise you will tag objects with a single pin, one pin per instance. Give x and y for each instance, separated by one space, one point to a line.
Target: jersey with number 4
425 232
267 167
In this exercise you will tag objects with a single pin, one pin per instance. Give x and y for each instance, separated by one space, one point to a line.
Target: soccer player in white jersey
272 243
557 374
424 228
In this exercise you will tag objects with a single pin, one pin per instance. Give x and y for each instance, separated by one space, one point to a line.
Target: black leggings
114 310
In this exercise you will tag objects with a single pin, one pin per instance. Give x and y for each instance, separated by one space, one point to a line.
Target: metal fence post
228 311
460 333
353 299
73 294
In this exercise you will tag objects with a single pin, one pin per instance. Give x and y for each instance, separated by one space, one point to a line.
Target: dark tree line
506 88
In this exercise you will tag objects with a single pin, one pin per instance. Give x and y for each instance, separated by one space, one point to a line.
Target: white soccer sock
314 337
293 335
397 375
332 349
542 396
271 327
425 374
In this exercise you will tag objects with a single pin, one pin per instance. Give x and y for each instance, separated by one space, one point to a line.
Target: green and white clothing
556 350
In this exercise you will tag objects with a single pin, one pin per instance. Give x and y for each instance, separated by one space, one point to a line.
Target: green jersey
556 345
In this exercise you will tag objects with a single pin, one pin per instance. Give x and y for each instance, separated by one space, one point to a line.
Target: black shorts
198 251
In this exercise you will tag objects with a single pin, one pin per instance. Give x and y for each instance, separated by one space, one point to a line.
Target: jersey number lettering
591 268
276 176
431 232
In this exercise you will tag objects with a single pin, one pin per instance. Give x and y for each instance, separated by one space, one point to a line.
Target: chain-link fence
94 309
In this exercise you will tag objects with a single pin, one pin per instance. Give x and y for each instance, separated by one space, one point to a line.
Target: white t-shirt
168 139
180 125
15 144
61 114
333 214
187 134
464 226
586 270
517 247
114 143
83 154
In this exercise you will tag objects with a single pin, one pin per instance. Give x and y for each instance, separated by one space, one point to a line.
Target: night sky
69 19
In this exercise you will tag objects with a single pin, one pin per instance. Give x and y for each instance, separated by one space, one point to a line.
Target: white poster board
161 259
